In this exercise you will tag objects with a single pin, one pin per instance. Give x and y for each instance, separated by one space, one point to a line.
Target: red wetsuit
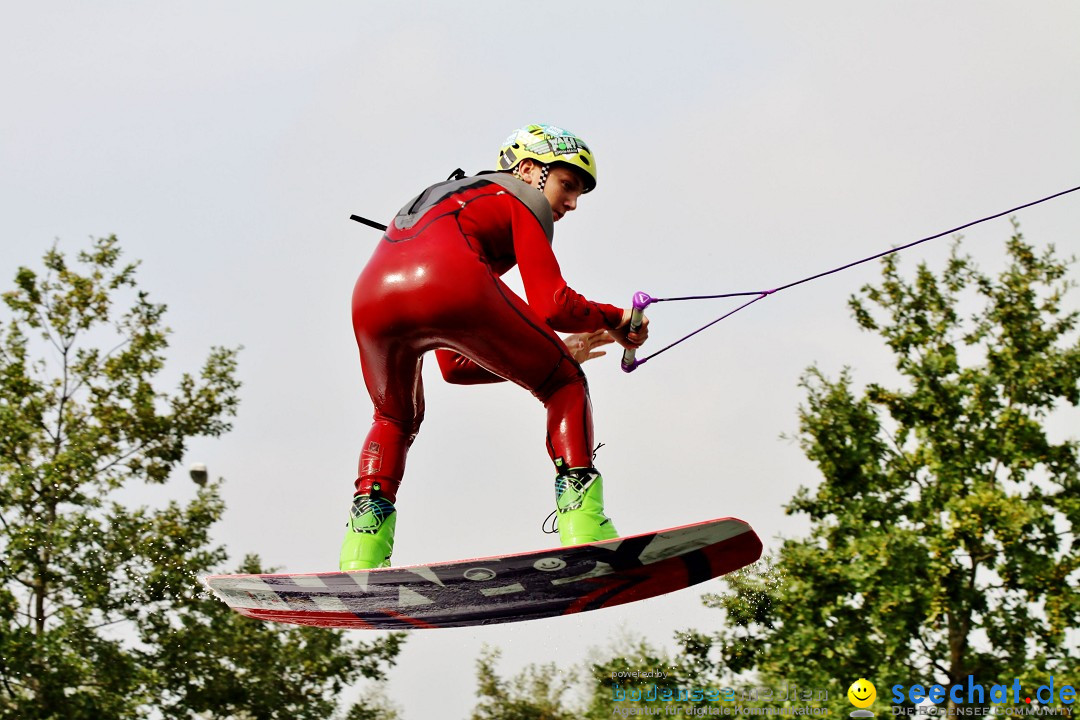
433 284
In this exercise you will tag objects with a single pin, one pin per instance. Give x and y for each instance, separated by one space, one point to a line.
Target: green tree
215 663
943 536
536 693
101 615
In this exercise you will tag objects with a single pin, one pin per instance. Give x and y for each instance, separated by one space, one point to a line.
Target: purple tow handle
641 301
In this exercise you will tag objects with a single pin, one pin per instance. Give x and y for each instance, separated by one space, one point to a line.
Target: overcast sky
739 146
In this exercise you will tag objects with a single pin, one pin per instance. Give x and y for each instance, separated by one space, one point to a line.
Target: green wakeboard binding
369 537
579 502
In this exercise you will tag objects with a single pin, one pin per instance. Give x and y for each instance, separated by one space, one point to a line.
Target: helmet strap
543 176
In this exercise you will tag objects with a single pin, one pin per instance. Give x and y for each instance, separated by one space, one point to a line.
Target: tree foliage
944 525
536 693
213 663
101 615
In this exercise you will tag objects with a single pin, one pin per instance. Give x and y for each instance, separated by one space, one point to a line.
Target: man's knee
567 375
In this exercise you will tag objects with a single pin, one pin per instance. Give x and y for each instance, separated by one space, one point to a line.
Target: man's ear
529 169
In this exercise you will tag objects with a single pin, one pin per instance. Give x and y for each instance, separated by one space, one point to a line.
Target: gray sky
739 146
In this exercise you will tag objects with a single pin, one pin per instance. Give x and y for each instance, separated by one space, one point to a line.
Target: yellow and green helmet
548 144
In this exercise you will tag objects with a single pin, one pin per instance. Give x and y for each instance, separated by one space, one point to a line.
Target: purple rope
765 293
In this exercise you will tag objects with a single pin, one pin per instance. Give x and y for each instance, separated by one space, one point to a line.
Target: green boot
369 540
579 501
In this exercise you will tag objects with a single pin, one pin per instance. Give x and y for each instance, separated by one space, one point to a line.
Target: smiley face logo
862 693
549 564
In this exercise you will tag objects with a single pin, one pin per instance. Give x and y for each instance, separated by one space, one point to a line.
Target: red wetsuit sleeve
548 294
460 370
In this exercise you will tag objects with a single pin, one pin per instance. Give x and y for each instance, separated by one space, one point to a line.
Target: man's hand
583 345
631 340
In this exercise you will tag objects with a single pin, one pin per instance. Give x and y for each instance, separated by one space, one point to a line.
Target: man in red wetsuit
433 284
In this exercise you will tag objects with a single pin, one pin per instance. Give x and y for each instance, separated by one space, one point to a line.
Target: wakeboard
508 588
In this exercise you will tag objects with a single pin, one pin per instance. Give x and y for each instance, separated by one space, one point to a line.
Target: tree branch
930 655
117 460
7 682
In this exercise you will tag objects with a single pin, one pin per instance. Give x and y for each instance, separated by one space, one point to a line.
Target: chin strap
543 176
